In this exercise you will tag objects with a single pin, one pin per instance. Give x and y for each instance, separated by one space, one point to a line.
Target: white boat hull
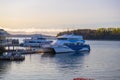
62 49
84 49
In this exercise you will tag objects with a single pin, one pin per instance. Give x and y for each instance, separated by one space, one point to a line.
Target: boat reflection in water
68 65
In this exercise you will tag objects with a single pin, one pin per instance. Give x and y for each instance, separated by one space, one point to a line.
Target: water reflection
70 61
65 64
55 66
48 55
4 67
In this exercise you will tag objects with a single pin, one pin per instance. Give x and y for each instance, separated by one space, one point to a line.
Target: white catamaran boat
36 41
69 43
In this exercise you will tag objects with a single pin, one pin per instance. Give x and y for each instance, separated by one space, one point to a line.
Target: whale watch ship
68 43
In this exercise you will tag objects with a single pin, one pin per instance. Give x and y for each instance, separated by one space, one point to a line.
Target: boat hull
56 49
63 49
79 47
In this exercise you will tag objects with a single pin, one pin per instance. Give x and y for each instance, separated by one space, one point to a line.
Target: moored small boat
12 56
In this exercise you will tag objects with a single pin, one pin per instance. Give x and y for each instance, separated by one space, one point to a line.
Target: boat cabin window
62 39
74 39
78 43
41 38
32 41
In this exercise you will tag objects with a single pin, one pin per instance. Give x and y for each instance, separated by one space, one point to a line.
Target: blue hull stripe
78 47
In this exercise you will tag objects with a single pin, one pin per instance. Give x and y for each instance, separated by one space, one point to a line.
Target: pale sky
58 15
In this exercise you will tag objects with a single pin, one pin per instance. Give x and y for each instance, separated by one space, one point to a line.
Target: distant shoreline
112 34
101 40
85 39
104 34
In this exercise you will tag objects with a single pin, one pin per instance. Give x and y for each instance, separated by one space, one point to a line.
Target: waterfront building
3 35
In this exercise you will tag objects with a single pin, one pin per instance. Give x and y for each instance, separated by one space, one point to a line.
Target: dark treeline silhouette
99 34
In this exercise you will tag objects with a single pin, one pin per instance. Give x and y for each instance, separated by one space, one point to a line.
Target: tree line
98 34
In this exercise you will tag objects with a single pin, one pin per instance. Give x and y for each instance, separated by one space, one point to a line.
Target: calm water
102 63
